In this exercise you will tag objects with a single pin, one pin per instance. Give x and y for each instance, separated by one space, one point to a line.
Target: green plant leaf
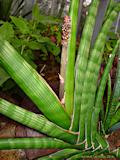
81 67
108 45
117 106
116 152
91 78
115 96
70 66
30 119
41 43
40 38
1 22
33 85
109 92
17 43
34 45
112 35
6 31
115 118
29 57
58 36
44 50
101 90
35 143
52 48
35 12
21 24
63 154
48 20
4 76
5 7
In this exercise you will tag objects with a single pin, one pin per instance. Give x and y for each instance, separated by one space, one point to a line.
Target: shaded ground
8 128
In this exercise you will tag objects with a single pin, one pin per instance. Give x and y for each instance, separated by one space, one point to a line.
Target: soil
49 70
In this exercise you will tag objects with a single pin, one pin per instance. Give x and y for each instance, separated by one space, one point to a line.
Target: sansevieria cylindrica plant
72 128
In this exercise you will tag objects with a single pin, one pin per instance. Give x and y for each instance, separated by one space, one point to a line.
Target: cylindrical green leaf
32 143
115 96
82 61
100 92
115 118
63 154
90 83
69 80
37 122
33 85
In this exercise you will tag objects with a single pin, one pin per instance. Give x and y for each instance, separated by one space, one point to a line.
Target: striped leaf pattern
66 153
112 3
115 96
39 91
103 143
109 92
90 84
115 118
31 119
78 137
101 89
28 143
81 62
